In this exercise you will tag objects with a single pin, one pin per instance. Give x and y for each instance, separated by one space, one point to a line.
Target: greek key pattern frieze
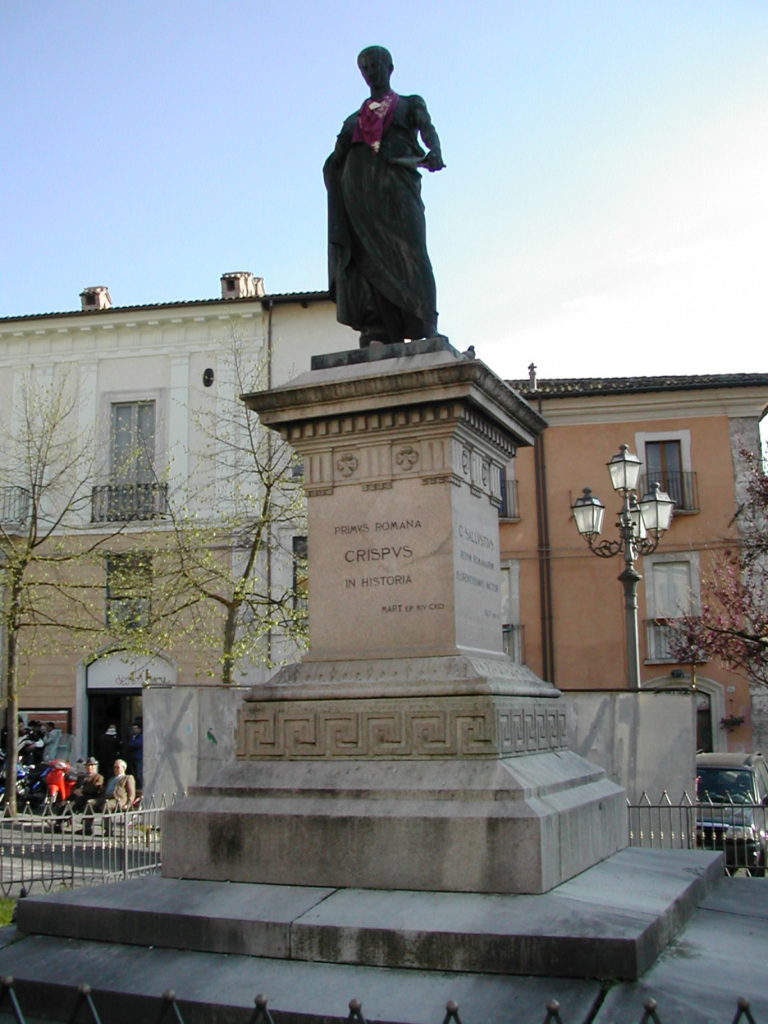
316 730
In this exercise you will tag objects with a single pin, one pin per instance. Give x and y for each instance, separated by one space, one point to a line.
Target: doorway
704 736
120 708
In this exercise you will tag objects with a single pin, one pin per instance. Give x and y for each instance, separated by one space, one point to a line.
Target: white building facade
146 378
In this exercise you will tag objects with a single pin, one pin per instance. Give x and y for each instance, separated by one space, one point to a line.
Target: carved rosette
440 443
406 458
346 464
384 729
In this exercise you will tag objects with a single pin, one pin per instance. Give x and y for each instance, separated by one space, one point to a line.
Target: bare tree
226 573
49 591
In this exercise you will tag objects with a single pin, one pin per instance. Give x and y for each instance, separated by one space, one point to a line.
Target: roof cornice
193 305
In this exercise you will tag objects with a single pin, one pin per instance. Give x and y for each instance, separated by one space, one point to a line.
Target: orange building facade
563 606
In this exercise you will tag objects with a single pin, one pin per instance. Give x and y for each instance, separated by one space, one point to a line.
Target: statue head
375 63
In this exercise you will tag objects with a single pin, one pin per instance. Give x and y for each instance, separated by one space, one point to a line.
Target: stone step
128 982
611 921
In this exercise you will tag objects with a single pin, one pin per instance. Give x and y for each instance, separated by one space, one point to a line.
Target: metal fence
85 1011
739 830
50 850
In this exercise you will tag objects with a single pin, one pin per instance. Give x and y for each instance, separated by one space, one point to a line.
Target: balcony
125 503
512 641
15 503
680 486
508 508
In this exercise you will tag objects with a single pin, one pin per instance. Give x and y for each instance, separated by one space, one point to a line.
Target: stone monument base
458 780
509 825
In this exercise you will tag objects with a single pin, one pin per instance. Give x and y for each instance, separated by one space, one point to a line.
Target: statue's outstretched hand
433 161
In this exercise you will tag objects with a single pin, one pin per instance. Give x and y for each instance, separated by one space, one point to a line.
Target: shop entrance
120 708
114 686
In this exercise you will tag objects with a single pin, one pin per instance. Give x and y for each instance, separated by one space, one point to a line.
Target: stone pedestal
405 751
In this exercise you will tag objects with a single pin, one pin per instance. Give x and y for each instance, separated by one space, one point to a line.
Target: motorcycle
22 781
50 782
60 780
35 791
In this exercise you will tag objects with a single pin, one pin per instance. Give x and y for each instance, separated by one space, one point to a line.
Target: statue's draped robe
379 269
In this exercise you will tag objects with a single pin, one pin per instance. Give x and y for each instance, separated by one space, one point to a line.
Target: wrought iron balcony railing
123 503
508 508
680 486
15 503
512 640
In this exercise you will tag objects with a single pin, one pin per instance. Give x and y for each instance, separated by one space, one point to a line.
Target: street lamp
641 524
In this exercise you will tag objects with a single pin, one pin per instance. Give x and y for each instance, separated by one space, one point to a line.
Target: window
508 485
133 492
129 584
300 580
663 465
15 504
132 442
672 590
667 459
511 630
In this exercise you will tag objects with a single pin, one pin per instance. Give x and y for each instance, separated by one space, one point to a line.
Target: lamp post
641 525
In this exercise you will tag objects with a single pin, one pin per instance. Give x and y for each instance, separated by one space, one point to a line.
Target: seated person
85 796
90 787
120 792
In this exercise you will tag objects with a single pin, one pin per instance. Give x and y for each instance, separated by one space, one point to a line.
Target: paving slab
128 982
217 917
721 955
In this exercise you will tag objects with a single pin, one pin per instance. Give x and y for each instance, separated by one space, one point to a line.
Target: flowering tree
733 624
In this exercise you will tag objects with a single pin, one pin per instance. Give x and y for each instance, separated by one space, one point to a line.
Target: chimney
96 297
241 284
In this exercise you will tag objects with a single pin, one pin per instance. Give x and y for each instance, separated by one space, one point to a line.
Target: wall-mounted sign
118 672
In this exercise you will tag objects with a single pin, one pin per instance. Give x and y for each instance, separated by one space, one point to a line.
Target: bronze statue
380 274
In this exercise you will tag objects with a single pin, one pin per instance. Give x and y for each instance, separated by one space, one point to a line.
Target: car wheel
759 870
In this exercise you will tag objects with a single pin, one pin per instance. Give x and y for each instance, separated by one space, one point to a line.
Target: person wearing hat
88 791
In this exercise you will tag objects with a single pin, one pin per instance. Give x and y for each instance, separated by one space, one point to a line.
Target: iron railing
49 850
680 485
738 830
509 508
513 641
122 503
82 1000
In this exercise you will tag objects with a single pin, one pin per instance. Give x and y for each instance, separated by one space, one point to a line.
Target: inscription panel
383 565
477 572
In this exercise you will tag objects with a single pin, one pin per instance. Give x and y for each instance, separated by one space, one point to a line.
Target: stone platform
482 825
311 949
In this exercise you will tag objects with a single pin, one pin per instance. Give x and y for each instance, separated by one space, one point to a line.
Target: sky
603 211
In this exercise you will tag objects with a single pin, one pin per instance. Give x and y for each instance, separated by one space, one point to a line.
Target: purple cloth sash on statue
373 119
